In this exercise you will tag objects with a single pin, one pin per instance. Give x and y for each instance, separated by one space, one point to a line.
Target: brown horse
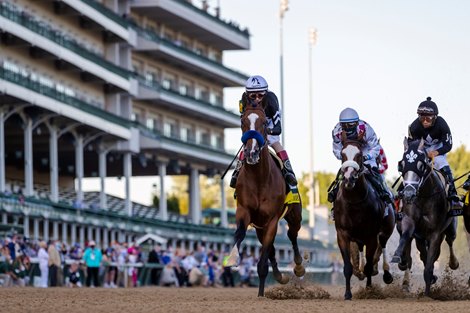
261 192
361 217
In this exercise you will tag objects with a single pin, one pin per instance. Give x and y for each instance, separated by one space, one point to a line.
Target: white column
82 235
98 237
45 230
162 205
28 157
2 151
113 235
223 201
36 229
73 233
102 170
127 174
55 230
90 233
26 226
53 163
194 203
64 232
79 167
105 237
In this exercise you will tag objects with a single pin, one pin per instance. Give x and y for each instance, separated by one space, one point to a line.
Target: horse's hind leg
451 234
242 219
294 220
384 235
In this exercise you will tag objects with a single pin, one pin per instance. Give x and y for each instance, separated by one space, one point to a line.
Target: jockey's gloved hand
269 131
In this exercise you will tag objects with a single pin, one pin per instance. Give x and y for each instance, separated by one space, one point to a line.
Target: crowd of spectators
25 262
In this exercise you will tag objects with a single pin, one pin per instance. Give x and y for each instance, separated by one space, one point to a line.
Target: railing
157 87
150 35
26 81
244 32
107 12
155 134
41 28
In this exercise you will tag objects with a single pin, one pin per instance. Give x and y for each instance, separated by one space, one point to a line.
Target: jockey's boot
233 180
334 186
287 170
466 185
452 192
376 179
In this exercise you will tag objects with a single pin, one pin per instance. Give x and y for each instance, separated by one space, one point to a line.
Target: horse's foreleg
242 219
432 254
407 230
266 237
357 260
451 234
343 244
294 220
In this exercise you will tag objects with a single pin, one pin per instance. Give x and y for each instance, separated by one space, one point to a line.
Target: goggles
258 95
426 118
349 125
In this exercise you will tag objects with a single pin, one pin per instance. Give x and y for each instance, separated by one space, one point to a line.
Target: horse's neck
433 183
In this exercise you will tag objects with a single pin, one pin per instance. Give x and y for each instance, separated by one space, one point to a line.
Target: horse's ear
405 143
360 136
344 137
421 145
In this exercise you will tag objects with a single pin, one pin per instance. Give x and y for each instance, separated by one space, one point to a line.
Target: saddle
292 193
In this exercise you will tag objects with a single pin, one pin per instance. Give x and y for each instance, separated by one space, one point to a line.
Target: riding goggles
258 95
427 118
349 125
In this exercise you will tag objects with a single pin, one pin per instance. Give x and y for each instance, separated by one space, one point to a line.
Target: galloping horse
361 217
425 208
261 193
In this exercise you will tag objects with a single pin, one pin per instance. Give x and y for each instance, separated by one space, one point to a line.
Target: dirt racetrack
206 300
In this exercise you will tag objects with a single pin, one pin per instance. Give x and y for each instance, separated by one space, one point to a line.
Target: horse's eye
420 165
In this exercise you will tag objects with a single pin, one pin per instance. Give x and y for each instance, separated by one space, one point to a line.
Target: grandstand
115 88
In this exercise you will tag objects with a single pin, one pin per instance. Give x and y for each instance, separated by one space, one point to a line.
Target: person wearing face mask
257 93
353 128
435 132
92 259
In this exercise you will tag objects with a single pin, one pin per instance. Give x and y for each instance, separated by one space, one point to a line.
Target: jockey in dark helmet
437 141
356 129
256 91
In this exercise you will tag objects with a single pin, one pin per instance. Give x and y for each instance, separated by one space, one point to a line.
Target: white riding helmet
348 115
256 83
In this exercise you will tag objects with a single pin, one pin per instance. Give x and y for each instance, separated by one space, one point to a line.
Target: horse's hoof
434 279
299 270
406 288
284 280
347 295
360 275
387 277
454 264
396 259
403 266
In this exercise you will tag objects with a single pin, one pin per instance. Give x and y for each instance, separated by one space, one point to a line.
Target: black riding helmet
428 107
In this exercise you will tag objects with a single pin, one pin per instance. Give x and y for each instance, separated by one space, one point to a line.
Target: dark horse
360 217
425 208
261 192
466 217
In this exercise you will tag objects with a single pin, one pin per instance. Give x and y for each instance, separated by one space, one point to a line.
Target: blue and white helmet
256 83
348 115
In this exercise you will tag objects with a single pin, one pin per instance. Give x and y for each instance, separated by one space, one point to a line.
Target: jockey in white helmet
256 90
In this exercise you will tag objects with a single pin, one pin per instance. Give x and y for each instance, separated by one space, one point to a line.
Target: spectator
19 271
43 257
54 264
92 259
154 259
227 275
74 276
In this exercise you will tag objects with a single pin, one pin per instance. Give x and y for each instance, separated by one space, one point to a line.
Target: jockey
354 129
256 91
437 141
